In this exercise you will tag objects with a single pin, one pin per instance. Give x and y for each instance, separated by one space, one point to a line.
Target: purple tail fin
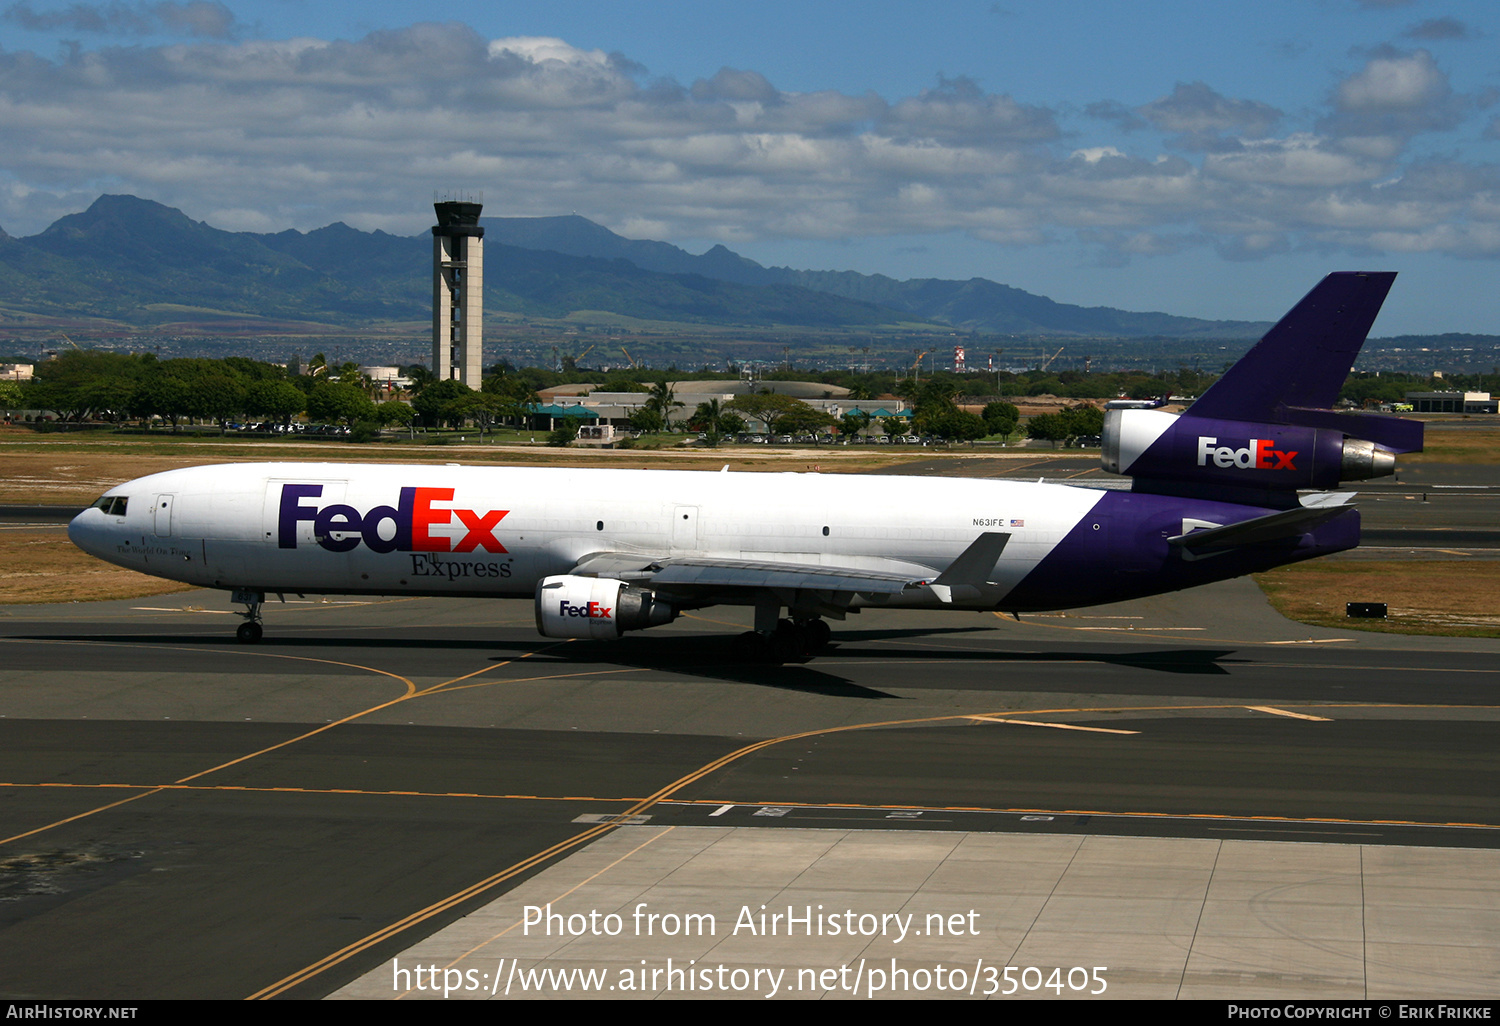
1293 374
1266 430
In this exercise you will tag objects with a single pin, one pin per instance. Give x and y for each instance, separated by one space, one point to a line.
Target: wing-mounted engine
569 606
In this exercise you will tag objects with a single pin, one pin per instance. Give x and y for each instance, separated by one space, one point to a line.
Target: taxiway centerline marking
1059 726
1286 712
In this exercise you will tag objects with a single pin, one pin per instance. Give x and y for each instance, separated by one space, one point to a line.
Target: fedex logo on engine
590 610
1258 455
412 520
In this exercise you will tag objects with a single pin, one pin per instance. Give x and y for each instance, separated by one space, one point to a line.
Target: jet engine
1165 447
596 607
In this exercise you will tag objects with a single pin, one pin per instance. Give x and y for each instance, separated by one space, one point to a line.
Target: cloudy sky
1211 159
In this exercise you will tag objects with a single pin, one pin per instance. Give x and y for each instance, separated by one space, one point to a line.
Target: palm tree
662 401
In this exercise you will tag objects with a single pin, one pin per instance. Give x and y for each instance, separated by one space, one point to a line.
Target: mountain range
142 264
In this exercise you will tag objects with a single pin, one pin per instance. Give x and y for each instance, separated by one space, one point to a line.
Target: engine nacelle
1165 447
596 607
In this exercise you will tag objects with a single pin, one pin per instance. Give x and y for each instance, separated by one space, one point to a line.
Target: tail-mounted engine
1158 446
596 607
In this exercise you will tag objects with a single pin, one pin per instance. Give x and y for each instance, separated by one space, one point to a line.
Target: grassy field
1453 597
1466 440
65 469
43 566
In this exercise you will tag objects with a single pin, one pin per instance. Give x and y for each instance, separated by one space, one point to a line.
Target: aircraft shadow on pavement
713 655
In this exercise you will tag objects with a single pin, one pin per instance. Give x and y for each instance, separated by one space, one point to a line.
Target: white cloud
537 49
261 135
1298 161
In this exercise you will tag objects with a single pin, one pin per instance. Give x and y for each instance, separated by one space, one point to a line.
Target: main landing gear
250 631
792 641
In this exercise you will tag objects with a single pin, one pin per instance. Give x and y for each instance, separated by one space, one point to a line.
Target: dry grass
60 470
1460 598
43 566
1458 441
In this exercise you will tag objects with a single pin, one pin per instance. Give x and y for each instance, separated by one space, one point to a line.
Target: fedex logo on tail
1258 455
412 520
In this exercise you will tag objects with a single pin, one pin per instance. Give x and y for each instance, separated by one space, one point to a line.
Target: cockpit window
112 505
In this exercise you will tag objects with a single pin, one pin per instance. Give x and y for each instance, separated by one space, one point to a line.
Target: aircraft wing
973 566
715 572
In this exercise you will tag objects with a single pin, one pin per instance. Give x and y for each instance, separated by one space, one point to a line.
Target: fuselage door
163 513
685 529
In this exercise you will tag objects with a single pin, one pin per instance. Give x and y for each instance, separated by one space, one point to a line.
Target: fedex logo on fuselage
1258 455
413 518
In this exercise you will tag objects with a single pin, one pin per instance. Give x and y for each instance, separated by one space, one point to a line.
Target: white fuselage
498 531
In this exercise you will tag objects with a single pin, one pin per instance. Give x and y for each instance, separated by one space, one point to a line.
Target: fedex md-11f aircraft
1238 484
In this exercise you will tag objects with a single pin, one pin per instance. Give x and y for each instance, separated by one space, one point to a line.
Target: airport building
1451 402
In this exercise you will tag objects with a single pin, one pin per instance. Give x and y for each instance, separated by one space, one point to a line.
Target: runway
185 817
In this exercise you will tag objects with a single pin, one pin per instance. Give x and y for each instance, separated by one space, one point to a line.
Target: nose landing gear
250 631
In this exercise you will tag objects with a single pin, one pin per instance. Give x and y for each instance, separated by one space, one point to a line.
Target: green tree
1001 418
1047 427
958 426
276 400
516 394
160 395
662 401
853 422
395 413
213 391
442 402
708 418
765 407
83 383
339 401
1083 420
801 421
645 421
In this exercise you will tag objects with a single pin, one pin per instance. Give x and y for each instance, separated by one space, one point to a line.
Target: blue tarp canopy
553 410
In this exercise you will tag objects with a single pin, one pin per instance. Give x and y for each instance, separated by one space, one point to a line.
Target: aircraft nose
89 531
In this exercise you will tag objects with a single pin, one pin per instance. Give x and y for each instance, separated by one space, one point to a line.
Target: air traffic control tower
458 292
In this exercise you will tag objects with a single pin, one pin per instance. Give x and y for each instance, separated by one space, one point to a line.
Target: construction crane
1049 360
633 364
916 365
75 345
561 363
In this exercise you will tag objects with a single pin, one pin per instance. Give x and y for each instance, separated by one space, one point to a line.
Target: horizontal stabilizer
1393 434
1260 530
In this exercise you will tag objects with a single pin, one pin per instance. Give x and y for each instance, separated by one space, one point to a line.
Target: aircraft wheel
249 633
751 647
819 634
790 643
